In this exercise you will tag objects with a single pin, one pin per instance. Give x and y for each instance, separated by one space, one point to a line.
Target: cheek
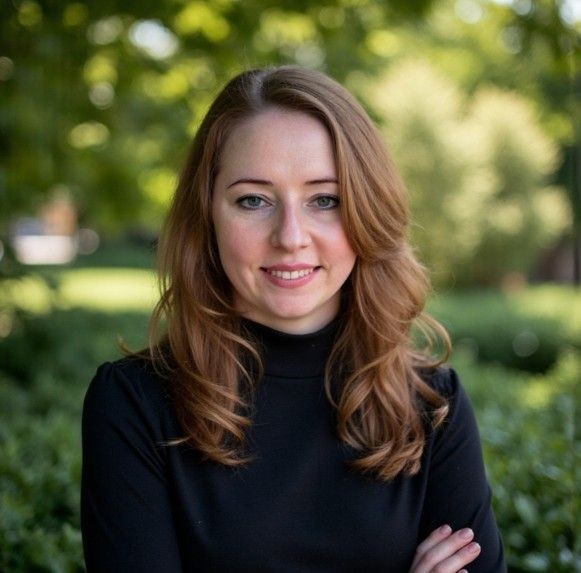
238 249
340 248
348 261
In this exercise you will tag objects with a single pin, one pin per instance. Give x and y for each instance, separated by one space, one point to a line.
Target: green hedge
531 449
40 467
47 362
523 331
67 343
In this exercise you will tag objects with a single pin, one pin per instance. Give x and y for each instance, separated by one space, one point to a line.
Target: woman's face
278 224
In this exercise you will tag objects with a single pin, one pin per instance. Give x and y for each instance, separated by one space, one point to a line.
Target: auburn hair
375 373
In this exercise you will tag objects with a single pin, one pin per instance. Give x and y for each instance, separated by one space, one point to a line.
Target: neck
292 355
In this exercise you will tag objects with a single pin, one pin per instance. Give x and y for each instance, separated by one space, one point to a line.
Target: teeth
291 275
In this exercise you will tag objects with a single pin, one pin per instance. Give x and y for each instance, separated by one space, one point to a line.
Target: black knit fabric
296 507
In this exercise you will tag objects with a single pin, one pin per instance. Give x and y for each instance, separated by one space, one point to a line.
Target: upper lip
297 267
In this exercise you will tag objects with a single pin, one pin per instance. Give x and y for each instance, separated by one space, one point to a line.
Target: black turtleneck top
296 507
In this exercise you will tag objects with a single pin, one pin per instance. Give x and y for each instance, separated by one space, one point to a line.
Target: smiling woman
278 225
282 418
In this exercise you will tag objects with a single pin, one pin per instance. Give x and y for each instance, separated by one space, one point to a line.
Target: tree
477 170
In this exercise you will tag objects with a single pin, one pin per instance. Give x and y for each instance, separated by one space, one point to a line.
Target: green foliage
531 447
39 476
477 175
118 254
525 331
518 214
94 108
47 363
65 342
118 107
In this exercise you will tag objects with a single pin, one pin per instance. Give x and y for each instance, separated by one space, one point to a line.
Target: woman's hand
445 552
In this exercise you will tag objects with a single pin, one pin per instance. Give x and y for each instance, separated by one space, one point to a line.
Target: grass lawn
105 289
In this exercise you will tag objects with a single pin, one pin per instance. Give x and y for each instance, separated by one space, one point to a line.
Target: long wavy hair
198 340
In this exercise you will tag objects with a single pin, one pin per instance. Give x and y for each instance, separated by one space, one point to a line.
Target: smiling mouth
291 275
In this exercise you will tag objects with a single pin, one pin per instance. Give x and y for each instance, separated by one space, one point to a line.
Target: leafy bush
531 450
522 334
47 362
67 343
477 171
39 483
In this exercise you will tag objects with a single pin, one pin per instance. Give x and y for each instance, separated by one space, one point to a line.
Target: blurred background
478 102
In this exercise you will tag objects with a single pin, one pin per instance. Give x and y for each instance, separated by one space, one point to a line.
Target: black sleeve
126 516
457 492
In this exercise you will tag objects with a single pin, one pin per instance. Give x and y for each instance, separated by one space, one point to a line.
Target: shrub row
523 332
531 447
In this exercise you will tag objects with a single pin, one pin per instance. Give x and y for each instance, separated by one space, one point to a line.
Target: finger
433 539
462 557
442 550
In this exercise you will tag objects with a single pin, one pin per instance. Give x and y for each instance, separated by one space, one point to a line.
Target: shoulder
457 438
126 412
443 379
446 382
130 383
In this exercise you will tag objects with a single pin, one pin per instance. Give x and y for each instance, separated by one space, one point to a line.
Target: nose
290 230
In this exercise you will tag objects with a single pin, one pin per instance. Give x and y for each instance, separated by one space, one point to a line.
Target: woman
282 420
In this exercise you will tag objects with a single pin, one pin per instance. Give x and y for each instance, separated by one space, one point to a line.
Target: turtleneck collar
294 355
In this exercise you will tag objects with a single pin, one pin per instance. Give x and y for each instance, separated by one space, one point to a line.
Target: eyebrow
271 184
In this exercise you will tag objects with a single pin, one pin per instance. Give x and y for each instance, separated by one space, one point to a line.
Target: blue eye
327 201
250 202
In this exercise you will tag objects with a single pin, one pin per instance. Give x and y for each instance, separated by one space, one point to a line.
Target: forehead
279 141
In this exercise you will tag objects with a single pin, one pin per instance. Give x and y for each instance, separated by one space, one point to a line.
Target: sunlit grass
552 301
539 391
106 289
109 289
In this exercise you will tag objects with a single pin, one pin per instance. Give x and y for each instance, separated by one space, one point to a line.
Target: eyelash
241 200
333 198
